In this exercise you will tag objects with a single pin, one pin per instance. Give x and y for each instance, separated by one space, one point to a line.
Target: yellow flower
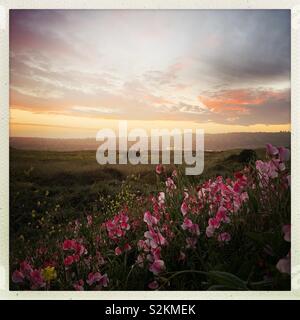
49 273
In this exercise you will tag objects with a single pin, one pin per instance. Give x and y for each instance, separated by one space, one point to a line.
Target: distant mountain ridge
213 142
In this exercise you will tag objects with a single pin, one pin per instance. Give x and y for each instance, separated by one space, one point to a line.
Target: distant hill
214 142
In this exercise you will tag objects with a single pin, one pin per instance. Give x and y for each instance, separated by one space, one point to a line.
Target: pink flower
68 261
110 225
214 222
26 269
159 169
224 237
174 173
184 208
170 184
271 150
157 267
36 279
244 197
187 224
149 219
161 198
142 245
286 229
209 231
140 260
284 154
195 229
18 277
78 286
75 257
79 249
155 238
118 226
191 243
93 277
124 225
221 215
89 220
182 256
153 285
284 264
103 282
69 244
127 247
118 251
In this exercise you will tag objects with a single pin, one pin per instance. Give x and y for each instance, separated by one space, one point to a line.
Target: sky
73 72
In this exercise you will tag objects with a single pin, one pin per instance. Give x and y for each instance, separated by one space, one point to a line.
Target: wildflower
221 215
36 279
159 169
161 198
187 224
157 267
97 278
18 277
89 220
118 251
118 226
142 245
271 150
68 261
93 277
191 242
69 244
170 184
214 223
26 268
284 154
149 219
286 229
79 249
153 285
182 256
78 286
284 264
184 208
209 231
195 229
155 238
224 237
127 247
49 273
140 260
103 282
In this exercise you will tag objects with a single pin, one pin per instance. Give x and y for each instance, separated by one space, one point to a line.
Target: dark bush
247 155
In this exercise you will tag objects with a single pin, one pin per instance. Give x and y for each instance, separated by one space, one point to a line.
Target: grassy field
73 183
50 190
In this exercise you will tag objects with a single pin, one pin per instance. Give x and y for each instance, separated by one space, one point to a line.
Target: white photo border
6 5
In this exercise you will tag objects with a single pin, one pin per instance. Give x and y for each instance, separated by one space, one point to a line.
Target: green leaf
227 280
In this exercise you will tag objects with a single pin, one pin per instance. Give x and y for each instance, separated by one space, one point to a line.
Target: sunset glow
75 72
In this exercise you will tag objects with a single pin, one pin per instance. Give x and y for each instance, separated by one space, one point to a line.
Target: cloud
96 110
249 46
248 106
225 66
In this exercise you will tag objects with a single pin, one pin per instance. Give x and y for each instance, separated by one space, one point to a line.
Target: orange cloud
238 99
156 100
